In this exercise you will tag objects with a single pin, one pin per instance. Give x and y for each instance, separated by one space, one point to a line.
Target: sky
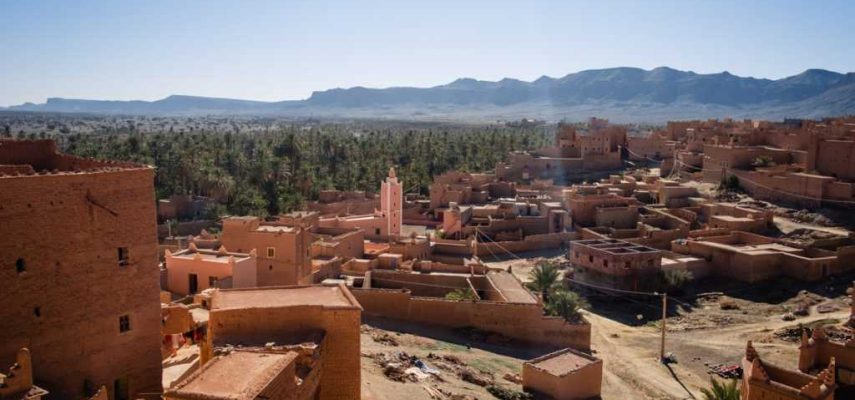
285 50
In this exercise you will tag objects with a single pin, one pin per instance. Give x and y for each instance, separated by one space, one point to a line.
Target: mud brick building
78 269
614 263
328 317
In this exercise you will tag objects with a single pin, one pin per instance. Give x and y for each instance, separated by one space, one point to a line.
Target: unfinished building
761 380
614 263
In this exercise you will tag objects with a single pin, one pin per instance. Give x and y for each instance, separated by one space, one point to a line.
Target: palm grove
274 171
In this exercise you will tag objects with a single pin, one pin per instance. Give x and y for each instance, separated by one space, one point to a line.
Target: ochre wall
341 361
70 248
524 322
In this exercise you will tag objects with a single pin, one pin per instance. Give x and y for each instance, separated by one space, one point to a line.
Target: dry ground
626 335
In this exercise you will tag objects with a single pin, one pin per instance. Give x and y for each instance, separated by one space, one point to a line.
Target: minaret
391 199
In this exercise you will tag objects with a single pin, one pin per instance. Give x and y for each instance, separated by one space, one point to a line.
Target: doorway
194 284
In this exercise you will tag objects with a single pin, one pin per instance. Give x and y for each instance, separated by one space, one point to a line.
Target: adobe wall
584 383
291 262
185 228
617 217
432 285
801 189
836 158
343 244
523 322
179 269
341 375
66 243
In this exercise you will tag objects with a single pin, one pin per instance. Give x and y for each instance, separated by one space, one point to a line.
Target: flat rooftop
237 375
511 288
23 158
275 228
283 296
613 246
563 362
209 255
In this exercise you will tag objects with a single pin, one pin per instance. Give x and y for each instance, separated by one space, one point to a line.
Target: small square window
271 252
20 265
123 256
124 323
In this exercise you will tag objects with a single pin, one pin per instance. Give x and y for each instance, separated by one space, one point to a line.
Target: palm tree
461 294
565 304
722 390
544 277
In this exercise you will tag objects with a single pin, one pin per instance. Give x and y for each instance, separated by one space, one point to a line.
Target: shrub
565 304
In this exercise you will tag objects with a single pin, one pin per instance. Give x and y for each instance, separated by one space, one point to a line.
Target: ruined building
78 268
761 381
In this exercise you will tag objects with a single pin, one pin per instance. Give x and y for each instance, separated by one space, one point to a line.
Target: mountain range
622 94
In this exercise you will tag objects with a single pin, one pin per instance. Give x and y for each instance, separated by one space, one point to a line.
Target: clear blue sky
277 50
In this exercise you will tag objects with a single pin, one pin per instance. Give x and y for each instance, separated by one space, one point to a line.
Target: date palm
544 278
722 390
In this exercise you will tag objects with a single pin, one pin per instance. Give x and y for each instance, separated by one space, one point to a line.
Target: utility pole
664 317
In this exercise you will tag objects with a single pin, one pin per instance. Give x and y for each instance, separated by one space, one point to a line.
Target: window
123 255
377 231
37 312
590 259
124 323
270 268
212 281
271 252
605 263
20 266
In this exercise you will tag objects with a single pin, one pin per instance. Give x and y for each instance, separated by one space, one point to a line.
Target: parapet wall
523 322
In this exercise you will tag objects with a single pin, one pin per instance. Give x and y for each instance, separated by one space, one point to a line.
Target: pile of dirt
403 367
808 235
385 338
508 394
807 217
833 330
459 368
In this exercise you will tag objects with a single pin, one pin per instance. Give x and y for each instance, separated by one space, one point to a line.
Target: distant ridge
622 94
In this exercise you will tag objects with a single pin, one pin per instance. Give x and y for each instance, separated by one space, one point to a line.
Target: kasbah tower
78 271
391 196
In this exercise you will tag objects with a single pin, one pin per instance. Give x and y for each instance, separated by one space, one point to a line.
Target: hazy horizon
274 51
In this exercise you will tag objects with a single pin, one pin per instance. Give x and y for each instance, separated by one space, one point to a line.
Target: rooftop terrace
237 375
283 296
563 362
40 157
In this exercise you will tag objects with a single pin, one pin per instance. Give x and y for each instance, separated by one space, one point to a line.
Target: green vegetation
674 280
461 294
566 304
718 390
544 278
730 183
763 161
266 172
